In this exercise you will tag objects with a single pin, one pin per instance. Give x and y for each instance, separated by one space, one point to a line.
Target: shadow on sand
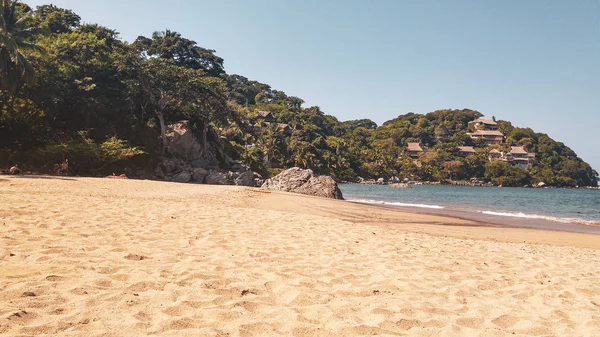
38 177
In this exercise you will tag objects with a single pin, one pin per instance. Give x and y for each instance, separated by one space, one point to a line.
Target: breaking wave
378 202
542 217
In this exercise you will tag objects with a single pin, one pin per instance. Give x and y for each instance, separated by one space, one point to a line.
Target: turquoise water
560 205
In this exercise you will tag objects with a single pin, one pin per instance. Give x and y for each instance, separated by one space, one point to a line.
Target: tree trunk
163 131
204 132
162 103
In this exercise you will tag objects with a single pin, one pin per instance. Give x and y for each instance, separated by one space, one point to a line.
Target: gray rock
236 165
217 178
182 177
198 174
245 178
158 172
301 181
181 141
400 185
168 166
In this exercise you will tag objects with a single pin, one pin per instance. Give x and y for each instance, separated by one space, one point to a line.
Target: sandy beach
103 257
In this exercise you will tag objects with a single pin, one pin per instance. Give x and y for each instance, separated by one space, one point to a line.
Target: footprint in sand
21 316
281 292
54 278
407 324
135 257
470 322
505 321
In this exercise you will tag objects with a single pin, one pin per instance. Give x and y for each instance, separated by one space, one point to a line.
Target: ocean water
551 204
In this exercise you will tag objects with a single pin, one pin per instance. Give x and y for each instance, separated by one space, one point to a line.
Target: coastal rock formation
217 178
400 185
245 178
301 181
182 177
181 142
198 174
187 160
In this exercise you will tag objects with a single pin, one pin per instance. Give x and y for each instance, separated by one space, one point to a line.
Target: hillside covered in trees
76 91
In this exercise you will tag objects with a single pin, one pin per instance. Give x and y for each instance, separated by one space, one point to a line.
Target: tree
176 92
171 45
16 38
504 174
58 20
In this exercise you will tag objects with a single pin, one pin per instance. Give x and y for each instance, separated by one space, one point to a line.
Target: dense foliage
76 91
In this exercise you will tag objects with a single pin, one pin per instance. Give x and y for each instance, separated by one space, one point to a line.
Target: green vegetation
76 91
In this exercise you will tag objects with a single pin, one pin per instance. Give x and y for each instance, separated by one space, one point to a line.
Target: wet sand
103 257
487 220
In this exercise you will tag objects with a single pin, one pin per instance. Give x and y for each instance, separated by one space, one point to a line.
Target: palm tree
15 34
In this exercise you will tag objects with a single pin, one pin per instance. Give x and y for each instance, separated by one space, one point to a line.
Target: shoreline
489 220
469 184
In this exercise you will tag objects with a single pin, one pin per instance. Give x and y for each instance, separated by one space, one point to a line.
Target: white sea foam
378 202
542 217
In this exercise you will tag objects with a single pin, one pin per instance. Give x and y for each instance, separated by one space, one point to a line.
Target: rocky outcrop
217 178
301 181
187 160
182 177
245 178
399 185
198 174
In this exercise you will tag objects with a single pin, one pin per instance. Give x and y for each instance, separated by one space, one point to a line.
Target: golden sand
104 257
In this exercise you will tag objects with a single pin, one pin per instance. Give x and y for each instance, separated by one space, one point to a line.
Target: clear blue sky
535 63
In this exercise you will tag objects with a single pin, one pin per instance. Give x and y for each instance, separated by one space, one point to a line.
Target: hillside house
490 136
413 150
484 124
285 128
466 151
266 116
520 157
496 155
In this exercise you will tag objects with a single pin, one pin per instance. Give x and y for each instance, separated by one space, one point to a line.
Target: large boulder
244 178
301 181
182 177
198 174
168 167
181 141
217 178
